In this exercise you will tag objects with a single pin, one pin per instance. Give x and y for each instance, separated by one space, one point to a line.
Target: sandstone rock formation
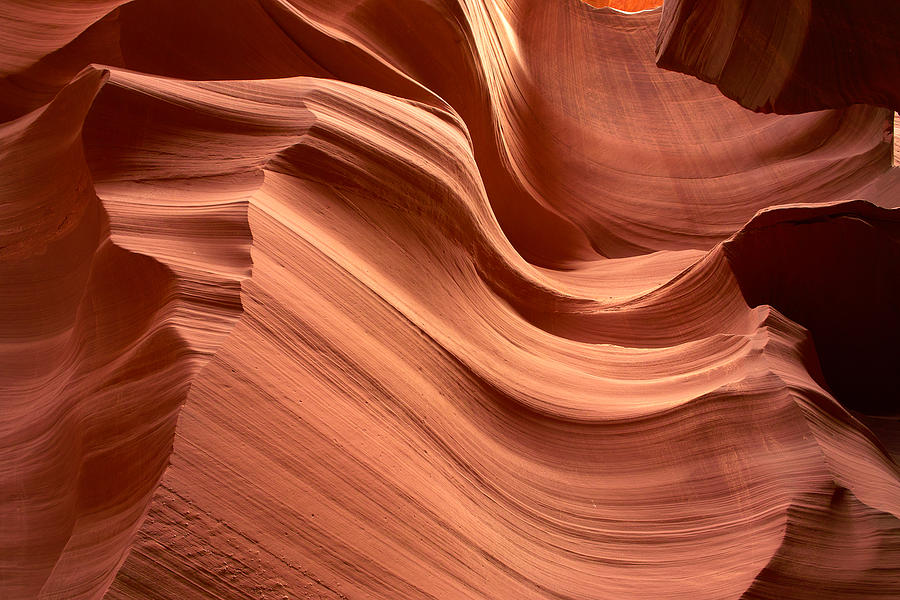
790 56
435 299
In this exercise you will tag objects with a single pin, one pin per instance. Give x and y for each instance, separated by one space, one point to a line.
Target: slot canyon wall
451 299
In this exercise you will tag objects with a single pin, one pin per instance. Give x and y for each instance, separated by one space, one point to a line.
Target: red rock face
787 57
439 299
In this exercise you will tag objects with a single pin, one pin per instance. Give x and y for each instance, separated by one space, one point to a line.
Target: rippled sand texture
445 299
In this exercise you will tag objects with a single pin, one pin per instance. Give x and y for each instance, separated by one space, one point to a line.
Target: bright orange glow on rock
625 5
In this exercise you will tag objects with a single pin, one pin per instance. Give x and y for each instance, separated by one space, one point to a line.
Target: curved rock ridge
397 299
103 332
786 57
849 307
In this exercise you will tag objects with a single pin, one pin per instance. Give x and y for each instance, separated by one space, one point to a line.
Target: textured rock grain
434 299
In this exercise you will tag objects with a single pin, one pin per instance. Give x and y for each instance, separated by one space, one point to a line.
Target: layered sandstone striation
435 299
786 57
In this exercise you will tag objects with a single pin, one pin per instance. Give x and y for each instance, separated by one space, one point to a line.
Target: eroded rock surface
434 299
